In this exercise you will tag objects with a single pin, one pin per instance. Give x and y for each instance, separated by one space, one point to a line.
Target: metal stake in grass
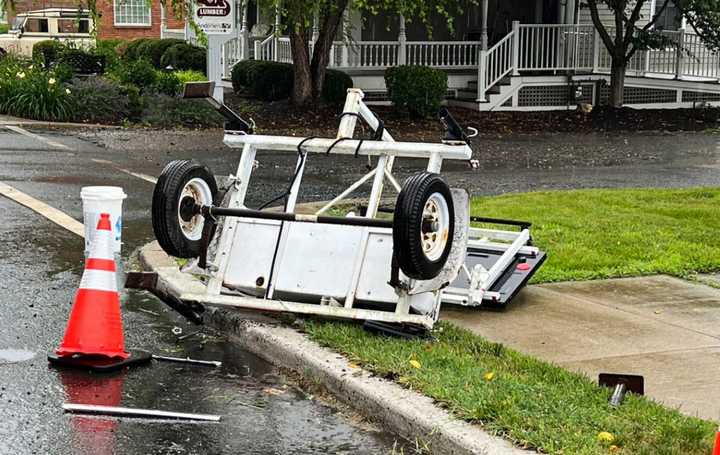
621 385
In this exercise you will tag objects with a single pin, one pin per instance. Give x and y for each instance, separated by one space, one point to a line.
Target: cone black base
100 364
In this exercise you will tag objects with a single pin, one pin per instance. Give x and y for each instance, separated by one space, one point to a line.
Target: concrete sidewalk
663 328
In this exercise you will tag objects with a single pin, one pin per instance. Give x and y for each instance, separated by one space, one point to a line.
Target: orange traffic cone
716 450
94 335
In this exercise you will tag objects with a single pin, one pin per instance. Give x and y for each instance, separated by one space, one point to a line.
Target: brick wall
108 29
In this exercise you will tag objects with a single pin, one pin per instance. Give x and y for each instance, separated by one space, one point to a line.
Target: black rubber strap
379 131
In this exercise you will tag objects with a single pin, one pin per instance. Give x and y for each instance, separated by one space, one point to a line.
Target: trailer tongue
388 271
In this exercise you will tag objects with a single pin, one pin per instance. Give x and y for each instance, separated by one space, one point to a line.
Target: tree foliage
298 24
625 37
704 17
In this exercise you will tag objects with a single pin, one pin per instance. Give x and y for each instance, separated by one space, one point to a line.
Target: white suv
69 25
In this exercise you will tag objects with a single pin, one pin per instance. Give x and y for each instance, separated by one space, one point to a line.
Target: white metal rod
231 301
133 412
504 261
214 363
384 162
349 146
347 192
295 189
392 180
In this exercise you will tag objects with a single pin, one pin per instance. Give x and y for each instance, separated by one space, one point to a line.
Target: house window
668 19
132 12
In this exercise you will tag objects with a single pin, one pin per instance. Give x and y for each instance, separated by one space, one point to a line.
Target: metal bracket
148 281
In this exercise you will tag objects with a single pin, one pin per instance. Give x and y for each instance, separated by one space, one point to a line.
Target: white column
345 58
276 34
680 55
516 47
570 12
244 33
402 42
484 25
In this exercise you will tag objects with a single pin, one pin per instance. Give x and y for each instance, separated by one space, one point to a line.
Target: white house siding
608 18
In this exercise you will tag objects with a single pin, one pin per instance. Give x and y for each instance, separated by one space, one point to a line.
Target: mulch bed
282 118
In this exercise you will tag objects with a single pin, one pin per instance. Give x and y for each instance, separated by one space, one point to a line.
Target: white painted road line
27 133
51 213
145 177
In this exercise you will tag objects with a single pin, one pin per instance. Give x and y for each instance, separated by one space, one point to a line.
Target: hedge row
271 81
162 53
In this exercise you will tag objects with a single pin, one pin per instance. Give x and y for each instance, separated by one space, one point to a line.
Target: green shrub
104 101
109 49
336 86
185 57
168 83
155 49
82 62
240 73
35 94
133 50
47 52
190 76
139 73
419 89
169 112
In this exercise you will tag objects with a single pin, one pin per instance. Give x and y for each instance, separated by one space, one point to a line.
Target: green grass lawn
587 234
531 402
590 234
4 28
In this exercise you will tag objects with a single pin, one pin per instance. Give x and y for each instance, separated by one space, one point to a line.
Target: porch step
507 80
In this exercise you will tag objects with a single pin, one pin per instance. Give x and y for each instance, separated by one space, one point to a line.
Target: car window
36 25
17 23
73 26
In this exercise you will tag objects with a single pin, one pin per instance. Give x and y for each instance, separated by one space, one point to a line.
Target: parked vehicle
69 25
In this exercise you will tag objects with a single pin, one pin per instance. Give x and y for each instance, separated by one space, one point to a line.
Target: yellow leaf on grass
489 376
415 364
604 436
353 365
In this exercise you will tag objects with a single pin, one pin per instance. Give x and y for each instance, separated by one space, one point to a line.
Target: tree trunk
302 78
617 82
329 26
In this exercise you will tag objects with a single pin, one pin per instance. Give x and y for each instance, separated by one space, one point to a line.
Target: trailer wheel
423 226
178 235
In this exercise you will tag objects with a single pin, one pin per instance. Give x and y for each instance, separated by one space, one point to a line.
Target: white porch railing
443 54
373 55
552 48
495 63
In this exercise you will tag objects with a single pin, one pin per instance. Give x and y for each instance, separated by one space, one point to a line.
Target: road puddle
15 355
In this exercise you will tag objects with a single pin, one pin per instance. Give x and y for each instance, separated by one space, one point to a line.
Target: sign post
217 19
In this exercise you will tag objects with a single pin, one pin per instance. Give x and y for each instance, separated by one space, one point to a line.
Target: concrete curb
12 121
406 413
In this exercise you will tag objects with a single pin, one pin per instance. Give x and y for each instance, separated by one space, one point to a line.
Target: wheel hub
435 226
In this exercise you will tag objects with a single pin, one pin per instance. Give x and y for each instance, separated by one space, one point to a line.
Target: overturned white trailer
393 272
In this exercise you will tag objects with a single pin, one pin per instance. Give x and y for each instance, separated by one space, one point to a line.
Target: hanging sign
214 17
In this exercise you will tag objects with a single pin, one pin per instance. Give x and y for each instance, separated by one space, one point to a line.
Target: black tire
169 233
408 228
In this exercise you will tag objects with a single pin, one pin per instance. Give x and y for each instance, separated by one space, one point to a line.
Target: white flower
51 81
21 75
67 91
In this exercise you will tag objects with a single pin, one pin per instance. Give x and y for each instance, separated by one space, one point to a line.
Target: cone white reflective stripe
101 246
98 280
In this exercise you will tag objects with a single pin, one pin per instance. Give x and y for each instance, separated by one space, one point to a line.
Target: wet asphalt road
40 266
